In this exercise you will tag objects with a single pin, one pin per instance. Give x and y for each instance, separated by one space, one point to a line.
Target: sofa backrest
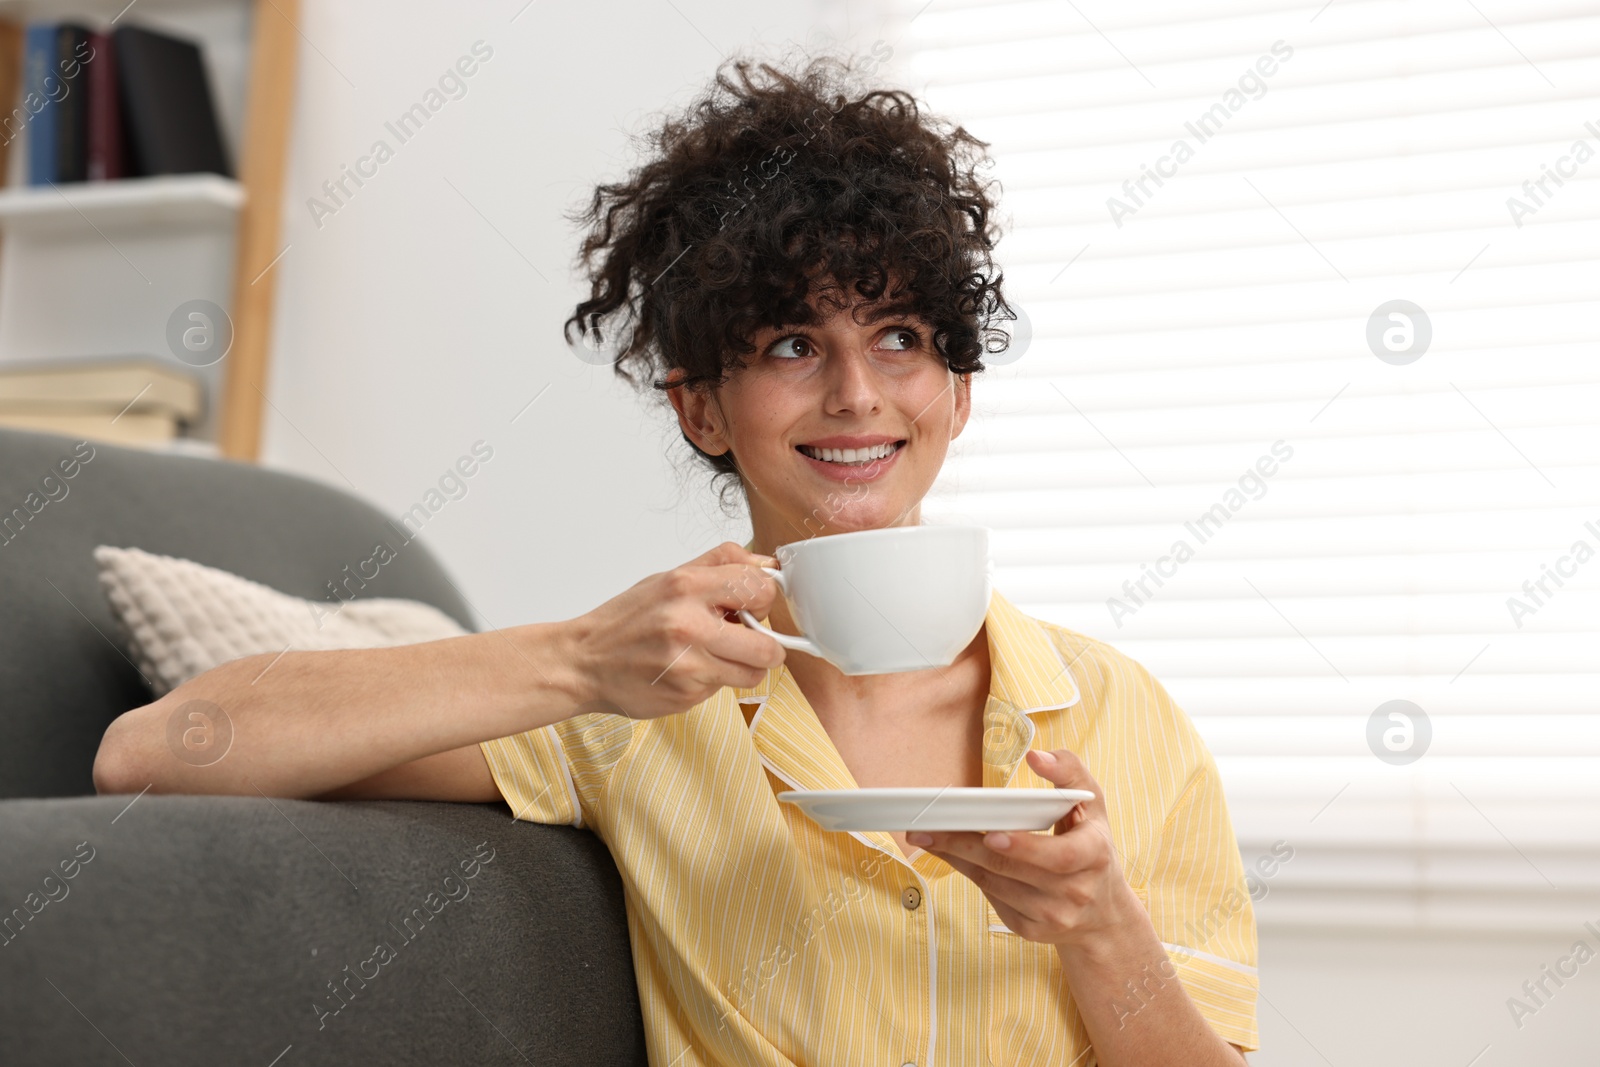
63 677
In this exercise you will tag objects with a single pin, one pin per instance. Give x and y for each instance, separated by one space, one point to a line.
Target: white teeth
850 455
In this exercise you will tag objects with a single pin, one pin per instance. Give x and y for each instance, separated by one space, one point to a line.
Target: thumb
1063 769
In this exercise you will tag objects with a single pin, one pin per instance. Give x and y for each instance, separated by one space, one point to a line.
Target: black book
168 114
72 109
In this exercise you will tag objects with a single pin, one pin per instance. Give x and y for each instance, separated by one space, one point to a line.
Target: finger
732 552
724 589
736 586
743 646
747 589
1026 901
1064 769
971 849
1014 920
1063 852
721 671
696 674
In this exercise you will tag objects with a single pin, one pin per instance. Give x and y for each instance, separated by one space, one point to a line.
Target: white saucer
933 808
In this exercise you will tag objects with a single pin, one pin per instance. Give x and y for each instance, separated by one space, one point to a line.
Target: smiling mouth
851 457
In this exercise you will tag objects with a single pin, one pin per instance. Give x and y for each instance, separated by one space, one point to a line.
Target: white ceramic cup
903 598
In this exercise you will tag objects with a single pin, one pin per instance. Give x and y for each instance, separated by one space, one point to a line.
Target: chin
844 516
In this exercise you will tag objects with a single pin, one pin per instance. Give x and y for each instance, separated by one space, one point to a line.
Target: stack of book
139 401
100 105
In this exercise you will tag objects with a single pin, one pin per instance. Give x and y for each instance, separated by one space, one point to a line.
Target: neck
909 728
770 529
826 686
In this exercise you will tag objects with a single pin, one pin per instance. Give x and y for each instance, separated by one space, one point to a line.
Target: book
169 117
55 55
139 401
39 58
106 160
101 388
127 428
13 118
72 110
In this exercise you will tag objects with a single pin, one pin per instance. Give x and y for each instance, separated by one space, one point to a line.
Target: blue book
40 80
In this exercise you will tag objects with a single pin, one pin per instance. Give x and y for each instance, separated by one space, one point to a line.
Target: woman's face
810 393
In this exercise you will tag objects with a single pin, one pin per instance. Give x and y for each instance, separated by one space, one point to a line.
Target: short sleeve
1199 902
558 774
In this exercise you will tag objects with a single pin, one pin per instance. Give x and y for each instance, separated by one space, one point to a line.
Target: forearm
1132 1002
306 723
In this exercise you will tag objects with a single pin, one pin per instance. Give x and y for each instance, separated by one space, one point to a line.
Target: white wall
425 313
1399 999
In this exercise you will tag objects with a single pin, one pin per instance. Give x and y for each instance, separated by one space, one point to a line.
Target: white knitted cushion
181 618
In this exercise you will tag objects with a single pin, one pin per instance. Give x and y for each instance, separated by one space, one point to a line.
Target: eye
783 347
907 336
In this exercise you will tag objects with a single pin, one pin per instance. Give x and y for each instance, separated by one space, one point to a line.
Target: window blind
1219 444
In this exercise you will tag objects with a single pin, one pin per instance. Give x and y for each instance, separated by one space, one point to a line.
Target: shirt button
911 896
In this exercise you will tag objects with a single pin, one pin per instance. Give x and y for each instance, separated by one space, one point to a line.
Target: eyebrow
891 311
877 314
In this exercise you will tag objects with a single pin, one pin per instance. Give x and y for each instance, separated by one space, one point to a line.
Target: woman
809 272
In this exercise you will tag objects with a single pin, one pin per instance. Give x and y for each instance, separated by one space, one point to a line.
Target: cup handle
799 644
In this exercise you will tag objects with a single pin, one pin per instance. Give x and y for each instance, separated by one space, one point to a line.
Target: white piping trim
761 705
566 778
927 893
1065 669
1220 961
933 973
792 784
933 953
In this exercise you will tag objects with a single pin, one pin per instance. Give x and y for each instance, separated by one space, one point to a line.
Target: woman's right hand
675 638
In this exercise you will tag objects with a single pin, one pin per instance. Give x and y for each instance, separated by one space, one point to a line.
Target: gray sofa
243 930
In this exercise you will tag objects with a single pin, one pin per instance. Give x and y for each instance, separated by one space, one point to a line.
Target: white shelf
163 200
89 10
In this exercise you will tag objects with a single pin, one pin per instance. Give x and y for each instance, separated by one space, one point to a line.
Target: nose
853 385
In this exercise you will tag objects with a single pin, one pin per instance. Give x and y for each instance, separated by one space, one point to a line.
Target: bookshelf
92 271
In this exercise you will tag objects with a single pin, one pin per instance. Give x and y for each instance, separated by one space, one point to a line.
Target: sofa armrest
184 929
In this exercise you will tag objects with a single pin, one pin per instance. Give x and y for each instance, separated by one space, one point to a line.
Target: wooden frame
263 161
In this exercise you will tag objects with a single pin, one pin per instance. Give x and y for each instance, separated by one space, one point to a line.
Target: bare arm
400 722
405 722
461 775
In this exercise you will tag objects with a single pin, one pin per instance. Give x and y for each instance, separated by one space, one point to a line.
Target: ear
700 418
963 405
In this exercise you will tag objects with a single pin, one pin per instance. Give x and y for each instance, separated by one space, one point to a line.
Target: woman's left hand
1063 888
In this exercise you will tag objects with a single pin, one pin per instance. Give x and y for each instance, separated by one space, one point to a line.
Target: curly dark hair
769 187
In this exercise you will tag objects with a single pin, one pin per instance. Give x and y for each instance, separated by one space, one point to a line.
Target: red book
107 157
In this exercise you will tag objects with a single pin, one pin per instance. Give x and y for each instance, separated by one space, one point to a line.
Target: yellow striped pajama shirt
759 938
